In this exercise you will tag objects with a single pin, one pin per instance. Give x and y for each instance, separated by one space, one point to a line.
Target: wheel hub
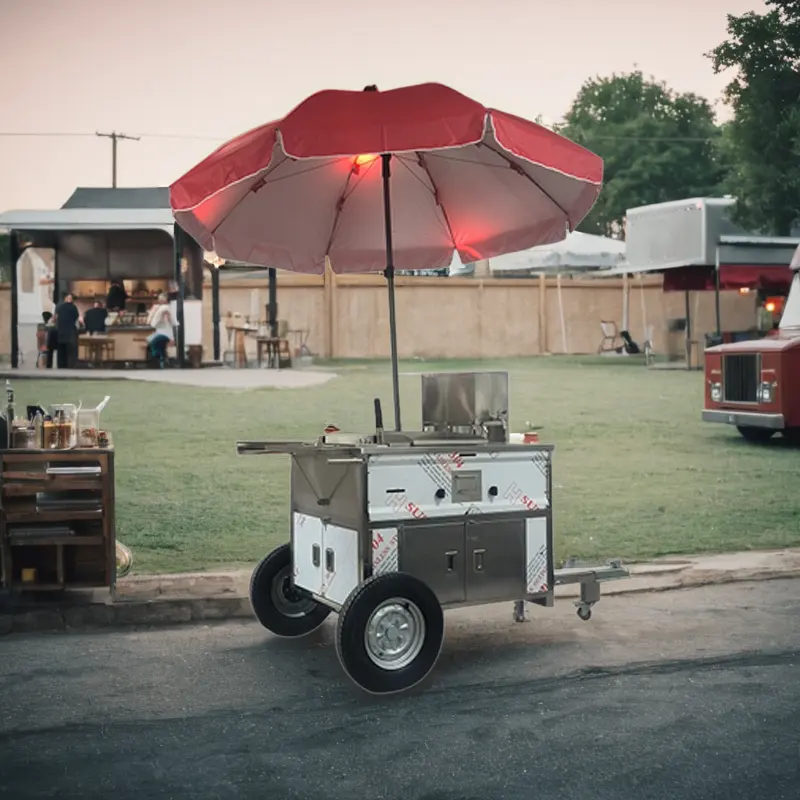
395 634
287 599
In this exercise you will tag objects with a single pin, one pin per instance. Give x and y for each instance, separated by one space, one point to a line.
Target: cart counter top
405 445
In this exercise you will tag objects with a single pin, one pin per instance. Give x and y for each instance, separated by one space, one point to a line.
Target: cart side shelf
612 571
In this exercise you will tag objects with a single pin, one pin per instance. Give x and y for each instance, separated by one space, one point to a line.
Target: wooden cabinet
57 528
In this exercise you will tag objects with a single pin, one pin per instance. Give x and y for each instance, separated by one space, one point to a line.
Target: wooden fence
347 316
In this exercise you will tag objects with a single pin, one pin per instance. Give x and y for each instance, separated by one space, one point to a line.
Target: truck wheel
755 434
277 604
792 435
390 633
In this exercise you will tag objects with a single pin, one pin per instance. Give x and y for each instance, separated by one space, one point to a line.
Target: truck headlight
765 393
716 392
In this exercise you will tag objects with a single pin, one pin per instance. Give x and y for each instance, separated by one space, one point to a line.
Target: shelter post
626 301
215 310
389 273
716 291
177 238
56 293
14 253
688 330
543 314
273 302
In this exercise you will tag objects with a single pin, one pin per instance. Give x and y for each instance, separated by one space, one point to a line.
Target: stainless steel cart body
474 523
455 506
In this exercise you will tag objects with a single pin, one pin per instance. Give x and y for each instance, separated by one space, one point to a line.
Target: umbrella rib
516 168
297 174
466 161
337 215
437 198
340 204
431 188
258 184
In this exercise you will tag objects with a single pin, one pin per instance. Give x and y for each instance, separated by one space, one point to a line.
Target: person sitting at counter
161 319
117 297
94 320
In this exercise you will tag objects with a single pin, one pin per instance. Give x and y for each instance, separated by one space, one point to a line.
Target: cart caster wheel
278 606
585 613
390 633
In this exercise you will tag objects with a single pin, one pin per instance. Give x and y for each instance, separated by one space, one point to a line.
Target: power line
76 134
653 138
54 135
189 137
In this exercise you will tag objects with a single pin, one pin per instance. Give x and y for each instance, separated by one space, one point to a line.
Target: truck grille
740 378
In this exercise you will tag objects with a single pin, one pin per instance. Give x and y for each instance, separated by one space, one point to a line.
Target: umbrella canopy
386 180
464 177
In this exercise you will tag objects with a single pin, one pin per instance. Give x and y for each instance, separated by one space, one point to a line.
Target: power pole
115 137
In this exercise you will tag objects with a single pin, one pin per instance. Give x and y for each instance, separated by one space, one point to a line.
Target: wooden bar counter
120 344
57 524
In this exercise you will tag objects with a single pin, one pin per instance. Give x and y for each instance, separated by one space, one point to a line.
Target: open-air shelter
103 234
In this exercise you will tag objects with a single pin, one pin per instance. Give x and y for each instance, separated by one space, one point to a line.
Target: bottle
10 412
38 431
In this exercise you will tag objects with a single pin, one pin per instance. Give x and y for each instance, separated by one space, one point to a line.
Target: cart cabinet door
434 553
495 560
340 563
307 552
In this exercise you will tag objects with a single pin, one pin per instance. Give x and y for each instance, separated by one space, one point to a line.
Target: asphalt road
687 695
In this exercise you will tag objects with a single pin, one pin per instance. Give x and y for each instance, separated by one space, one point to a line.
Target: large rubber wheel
390 633
755 434
792 435
277 604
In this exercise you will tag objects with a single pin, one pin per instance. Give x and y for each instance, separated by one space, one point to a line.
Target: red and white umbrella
378 181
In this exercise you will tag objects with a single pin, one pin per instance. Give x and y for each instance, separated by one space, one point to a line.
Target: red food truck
755 385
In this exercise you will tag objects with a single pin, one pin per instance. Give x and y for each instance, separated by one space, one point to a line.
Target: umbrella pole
389 273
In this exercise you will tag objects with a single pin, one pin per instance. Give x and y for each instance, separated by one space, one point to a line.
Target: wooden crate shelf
82 559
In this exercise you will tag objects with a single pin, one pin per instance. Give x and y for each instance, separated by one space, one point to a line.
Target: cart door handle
477 560
451 559
329 559
315 559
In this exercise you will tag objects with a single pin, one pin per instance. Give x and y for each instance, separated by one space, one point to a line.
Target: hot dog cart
390 528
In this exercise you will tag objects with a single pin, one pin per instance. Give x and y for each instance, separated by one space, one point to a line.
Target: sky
188 74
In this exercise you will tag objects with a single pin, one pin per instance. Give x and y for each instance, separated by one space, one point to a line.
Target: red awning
770 278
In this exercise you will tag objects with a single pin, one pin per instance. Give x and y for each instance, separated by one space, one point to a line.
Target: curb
170 611
93 616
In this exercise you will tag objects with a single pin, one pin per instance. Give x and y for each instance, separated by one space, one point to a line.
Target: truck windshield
791 310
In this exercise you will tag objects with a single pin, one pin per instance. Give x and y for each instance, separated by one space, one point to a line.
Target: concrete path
217 595
208 378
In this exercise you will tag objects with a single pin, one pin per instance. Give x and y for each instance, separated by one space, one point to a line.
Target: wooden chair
611 341
277 347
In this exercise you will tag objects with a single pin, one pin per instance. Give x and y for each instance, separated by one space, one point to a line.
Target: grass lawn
636 473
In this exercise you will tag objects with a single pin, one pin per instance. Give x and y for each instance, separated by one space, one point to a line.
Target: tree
657 145
763 139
